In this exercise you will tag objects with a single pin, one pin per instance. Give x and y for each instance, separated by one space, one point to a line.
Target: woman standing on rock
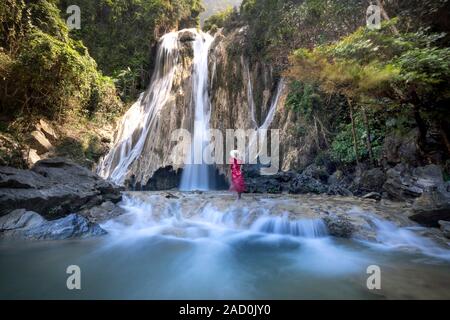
237 179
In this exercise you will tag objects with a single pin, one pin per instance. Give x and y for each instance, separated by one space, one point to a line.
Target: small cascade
389 235
306 228
269 118
273 107
251 100
196 173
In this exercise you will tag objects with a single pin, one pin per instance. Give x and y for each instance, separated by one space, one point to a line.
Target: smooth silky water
209 246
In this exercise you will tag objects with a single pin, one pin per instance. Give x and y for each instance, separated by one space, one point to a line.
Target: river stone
54 188
339 226
405 183
304 184
432 206
370 181
22 224
19 219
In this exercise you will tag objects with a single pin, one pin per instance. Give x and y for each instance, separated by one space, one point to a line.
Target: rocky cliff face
244 89
244 93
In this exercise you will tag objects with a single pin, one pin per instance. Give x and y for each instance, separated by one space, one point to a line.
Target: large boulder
401 148
303 184
54 188
405 183
339 226
317 172
431 207
369 181
275 184
12 178
23 224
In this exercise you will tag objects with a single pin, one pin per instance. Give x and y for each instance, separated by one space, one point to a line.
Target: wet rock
22 224
402 148
339 226
317 172
432 206
163 179
186 36
54 188
171 196
107 210
304 184
445 228
406 183
19 219
40 143
264 185
369 181
338 190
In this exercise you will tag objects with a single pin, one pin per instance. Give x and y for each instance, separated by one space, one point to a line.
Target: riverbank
58 194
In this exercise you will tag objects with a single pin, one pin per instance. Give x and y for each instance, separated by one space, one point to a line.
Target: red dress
237 180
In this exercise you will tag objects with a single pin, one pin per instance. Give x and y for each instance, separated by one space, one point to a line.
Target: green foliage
49 73
121 35
304 99
218 20
276 27
427 68
380 69
342 146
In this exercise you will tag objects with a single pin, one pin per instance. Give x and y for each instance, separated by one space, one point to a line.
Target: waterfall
196 172
143 140
142 118
269 118
251 100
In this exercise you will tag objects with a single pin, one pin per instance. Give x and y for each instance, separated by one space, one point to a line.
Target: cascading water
143 141
268 120
209 246
140 122
196 171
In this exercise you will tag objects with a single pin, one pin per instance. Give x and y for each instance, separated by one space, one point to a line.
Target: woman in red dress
237 179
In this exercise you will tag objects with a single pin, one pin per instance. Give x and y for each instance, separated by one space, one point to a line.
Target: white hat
234 153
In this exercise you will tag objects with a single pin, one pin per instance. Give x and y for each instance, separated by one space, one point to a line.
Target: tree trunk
386 17
369 136
355 140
